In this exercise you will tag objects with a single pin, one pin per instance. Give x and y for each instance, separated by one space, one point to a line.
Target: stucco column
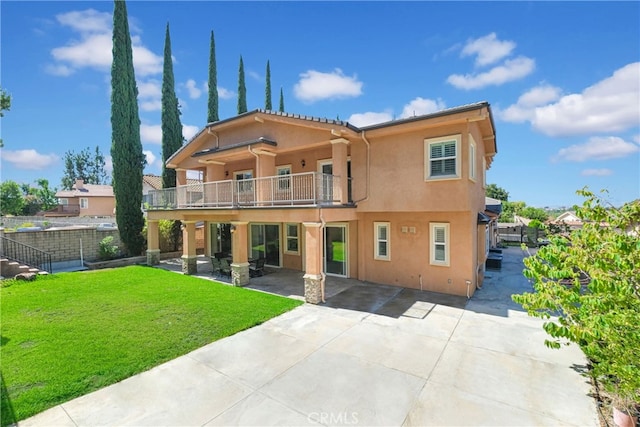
265 167
313 262
214 171
181 193
240 263
153 242
189 256
339 154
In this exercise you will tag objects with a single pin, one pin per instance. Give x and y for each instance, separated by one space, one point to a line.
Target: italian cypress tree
267 99
242 89
281 109
126 148
171 128
212 115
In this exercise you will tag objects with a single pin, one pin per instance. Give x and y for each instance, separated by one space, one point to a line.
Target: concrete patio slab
372 355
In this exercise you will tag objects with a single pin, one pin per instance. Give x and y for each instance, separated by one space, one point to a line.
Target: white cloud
510 70
524 108
108 164
225 93
596 172
255 76
315 86
150 95
151 134
597 148
488 49
151 159
93 48
188 131
192 88
29 159
369 118
420 106
611 105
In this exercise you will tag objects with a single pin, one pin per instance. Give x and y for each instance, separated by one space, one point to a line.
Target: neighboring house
493 209
568 219
85 200
399 203
154 182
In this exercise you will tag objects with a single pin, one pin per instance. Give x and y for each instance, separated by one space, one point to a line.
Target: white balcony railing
303 189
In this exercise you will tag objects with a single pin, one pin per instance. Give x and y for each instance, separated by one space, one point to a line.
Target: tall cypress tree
242 89
212 115
171 126
281 109
126 148
171 129
267 96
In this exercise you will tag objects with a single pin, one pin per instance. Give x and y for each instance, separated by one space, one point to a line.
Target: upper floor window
382 248
284 181
84 203
244 176
439 243
442 157
63 202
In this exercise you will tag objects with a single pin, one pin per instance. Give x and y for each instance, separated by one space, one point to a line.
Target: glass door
220 239
335 250
325 185
265 243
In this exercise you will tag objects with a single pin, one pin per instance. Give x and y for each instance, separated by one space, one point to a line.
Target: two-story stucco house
399 203
85 200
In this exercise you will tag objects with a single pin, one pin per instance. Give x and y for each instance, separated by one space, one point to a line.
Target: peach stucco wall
98 206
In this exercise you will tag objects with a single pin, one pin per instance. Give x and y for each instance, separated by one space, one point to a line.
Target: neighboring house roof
567 217
87 190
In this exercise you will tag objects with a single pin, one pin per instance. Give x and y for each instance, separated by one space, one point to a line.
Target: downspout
322 273
364 138
216 135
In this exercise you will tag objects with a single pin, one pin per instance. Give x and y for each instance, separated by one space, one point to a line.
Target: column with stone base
189 256
189 264
313 285
240 274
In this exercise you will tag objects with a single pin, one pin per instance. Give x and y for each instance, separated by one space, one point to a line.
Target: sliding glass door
336 249
265 243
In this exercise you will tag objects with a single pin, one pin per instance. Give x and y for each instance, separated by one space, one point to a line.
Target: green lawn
68 334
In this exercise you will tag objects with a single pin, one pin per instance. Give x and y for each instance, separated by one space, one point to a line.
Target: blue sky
563 78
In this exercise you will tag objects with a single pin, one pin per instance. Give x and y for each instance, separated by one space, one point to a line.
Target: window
441 157
292 239
439 243
472 158
284 181
244 176
382 248
84 203
63 202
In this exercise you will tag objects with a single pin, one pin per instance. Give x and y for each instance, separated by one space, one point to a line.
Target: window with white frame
284 181
84 203
63 202
293 239
442 157
439 243
244 176
472 158
382 242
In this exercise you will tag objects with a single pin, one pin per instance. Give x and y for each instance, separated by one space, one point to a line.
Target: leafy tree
11 198
126 148
46 196
534 213
171 127
496 192
587 288
242 89
267 96
84 166
281 109
212 114
509 209
5 105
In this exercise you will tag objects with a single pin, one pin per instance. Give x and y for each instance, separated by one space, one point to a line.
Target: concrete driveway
372 355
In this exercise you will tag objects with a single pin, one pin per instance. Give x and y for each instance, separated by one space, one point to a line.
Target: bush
107 250
588 288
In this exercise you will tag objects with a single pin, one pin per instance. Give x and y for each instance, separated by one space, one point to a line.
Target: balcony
303 189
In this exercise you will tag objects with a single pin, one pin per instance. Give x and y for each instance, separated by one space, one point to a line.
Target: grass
68 334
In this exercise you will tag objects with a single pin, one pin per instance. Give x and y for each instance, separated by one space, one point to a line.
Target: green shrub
107 250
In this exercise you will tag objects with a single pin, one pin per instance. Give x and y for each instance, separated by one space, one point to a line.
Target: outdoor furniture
256 268
225 268
215 262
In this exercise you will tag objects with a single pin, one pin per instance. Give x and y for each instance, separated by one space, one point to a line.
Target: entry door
220 238
265 243
336 250
325 167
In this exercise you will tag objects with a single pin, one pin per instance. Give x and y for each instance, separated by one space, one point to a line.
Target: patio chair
256 269
225 268
215 263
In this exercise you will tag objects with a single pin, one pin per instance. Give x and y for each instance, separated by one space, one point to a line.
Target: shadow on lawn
7 415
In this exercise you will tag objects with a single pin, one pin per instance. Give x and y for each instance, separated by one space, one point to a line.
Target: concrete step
9 269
